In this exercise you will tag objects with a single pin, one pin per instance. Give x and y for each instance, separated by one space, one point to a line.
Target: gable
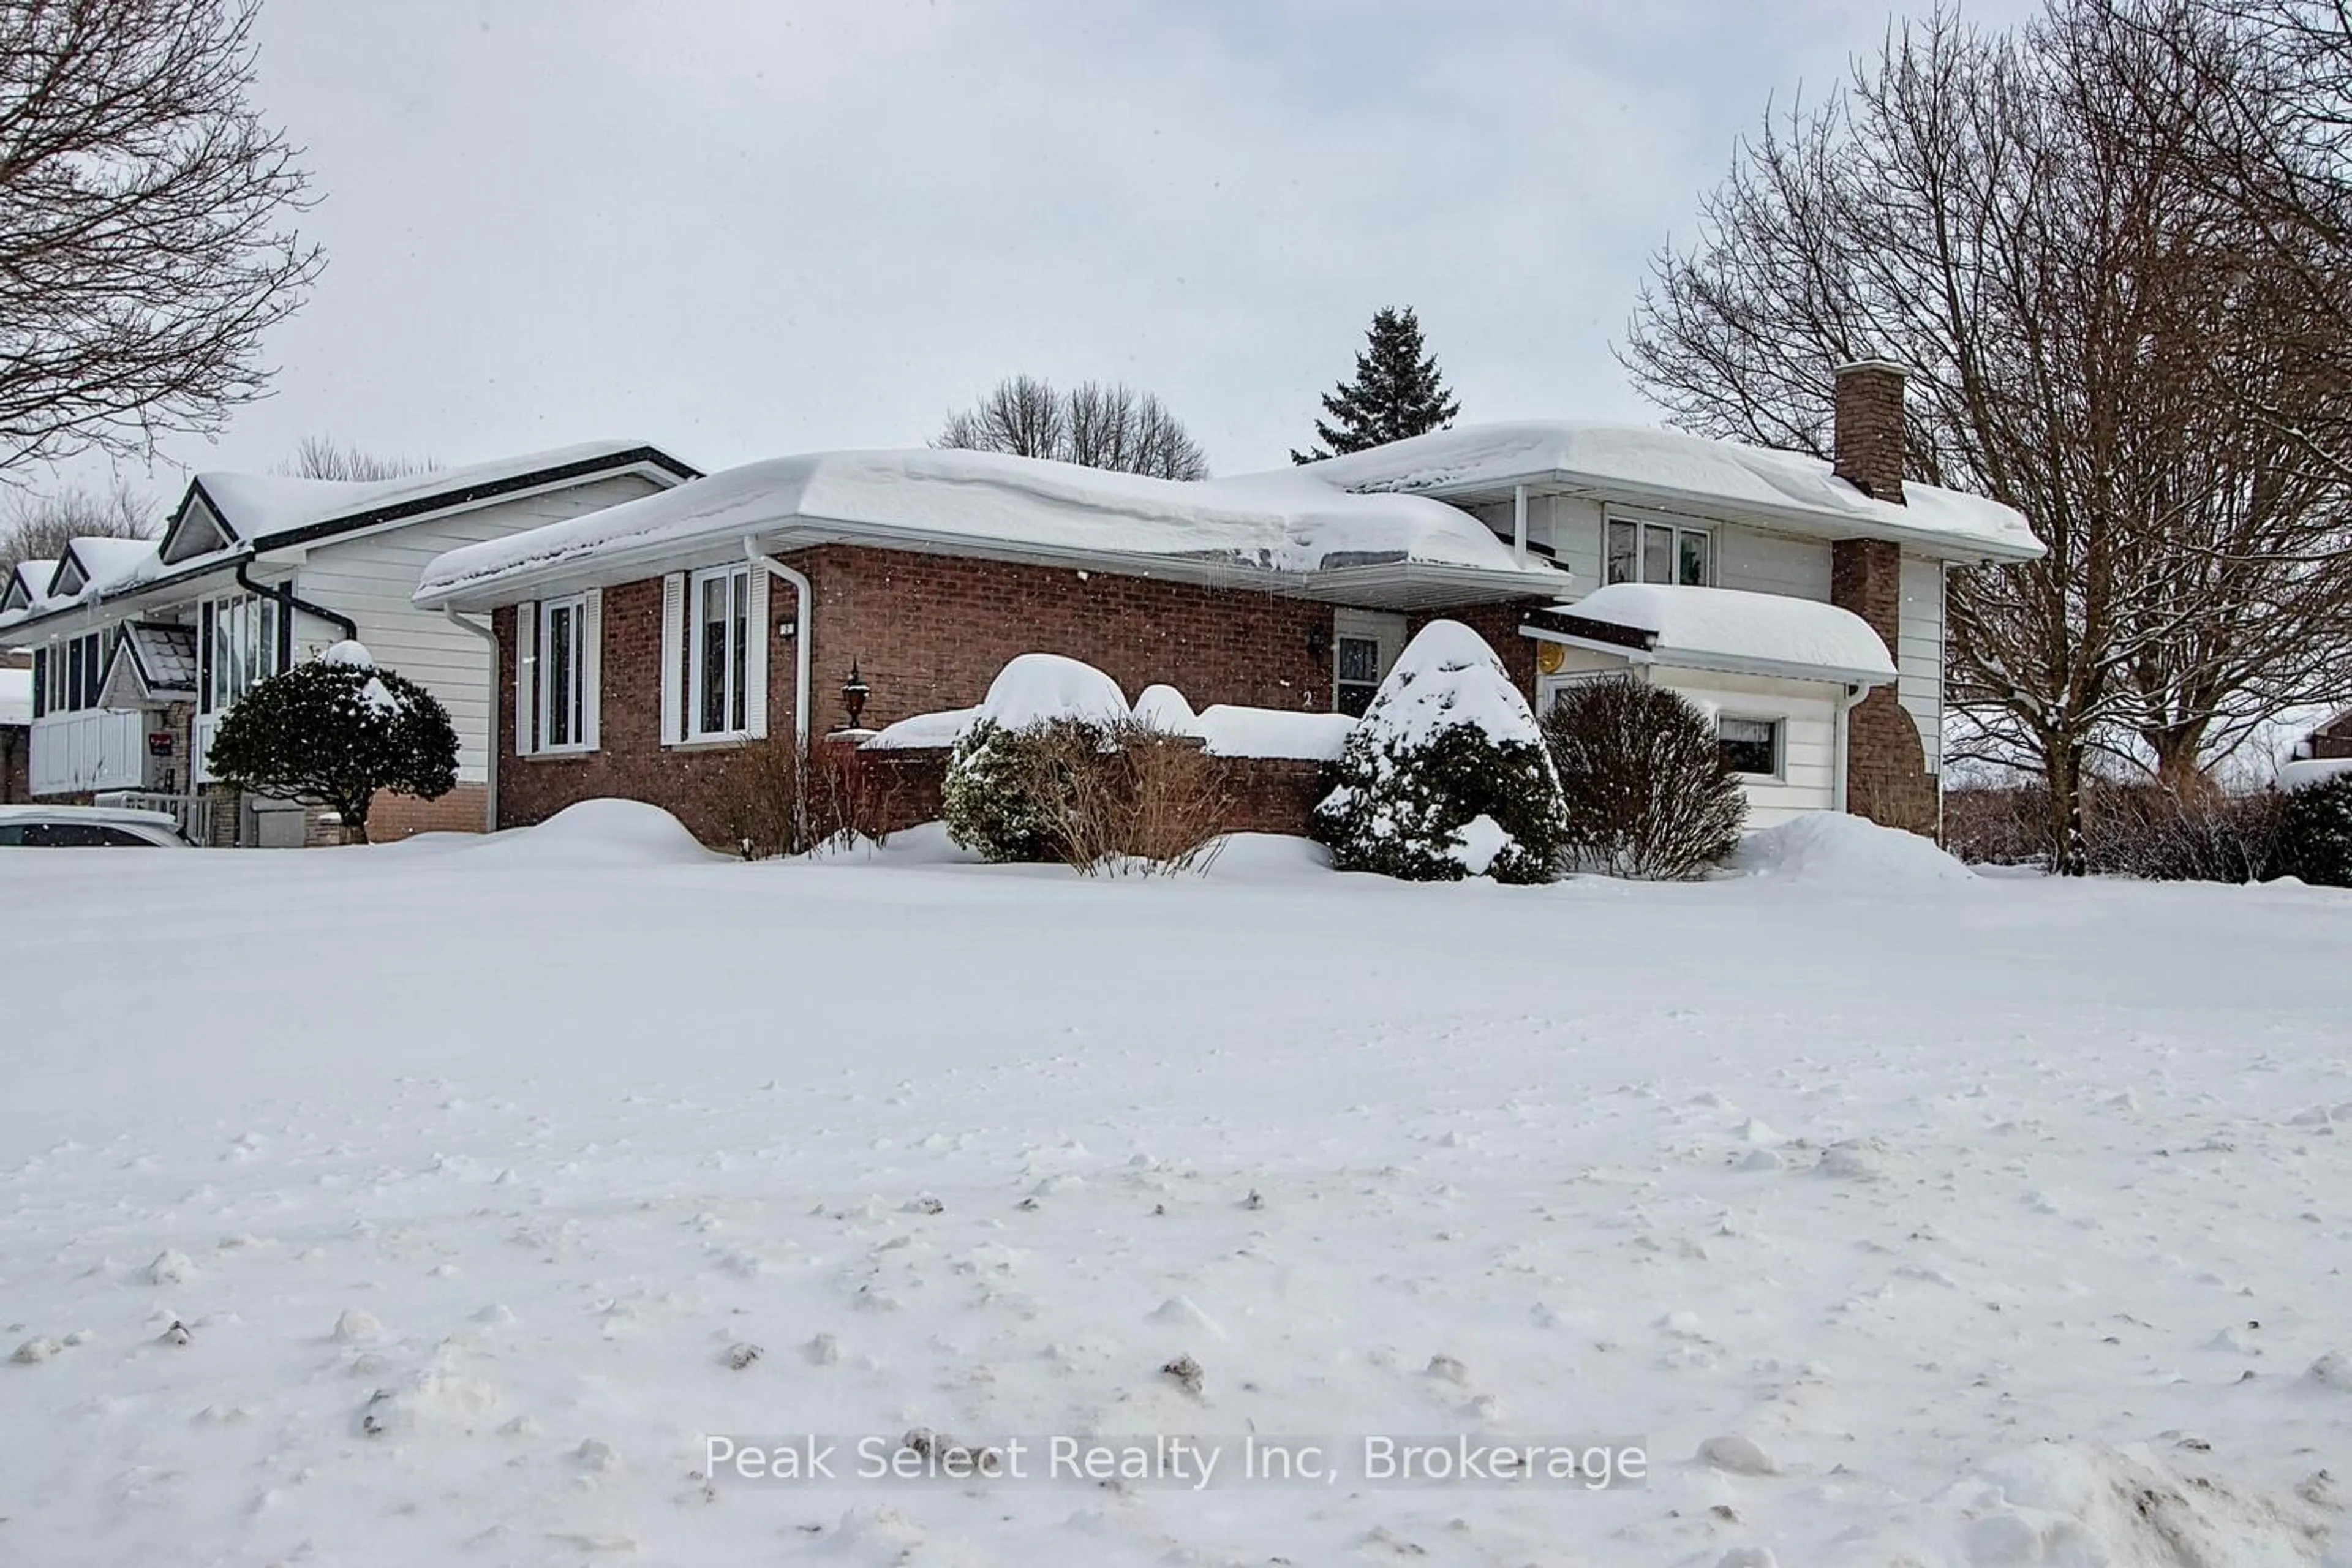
197 529
69 579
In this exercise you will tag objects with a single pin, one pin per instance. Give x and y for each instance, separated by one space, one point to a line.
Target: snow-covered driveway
2003 1221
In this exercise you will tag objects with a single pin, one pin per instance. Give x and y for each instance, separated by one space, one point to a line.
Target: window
66 677
1658 553
1360 676
562 675
557 674
1749 746
70 835
236 645
719 678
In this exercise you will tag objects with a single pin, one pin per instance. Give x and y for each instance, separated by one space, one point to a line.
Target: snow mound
1233 731
2089 1506
1163 708
1448 676
352 655
2311 771
1831 847
1732 623
604 832
1037 688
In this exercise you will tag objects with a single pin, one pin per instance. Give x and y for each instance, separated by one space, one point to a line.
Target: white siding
1919 662
1808 739
1771 564
369 579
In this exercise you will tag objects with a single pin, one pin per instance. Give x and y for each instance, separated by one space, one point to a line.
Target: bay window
67 676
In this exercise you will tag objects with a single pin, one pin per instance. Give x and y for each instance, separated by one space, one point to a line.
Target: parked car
88 827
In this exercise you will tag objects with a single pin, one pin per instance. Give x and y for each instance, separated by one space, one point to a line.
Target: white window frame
245 627
734 700
1779 724
1641 523
575 695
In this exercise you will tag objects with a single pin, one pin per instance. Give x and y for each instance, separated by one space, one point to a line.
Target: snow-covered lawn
2005 1221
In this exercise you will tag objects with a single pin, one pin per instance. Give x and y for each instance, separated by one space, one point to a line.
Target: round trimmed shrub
1641 772
2315 833
1446 775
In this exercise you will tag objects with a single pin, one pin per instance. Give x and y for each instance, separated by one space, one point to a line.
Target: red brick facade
1886 776
930 633
16 763
1868 441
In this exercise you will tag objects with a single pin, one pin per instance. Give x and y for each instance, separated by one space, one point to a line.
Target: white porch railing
100 749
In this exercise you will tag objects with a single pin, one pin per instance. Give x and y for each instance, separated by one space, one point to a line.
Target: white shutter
672 649
526 677
592 669
755 661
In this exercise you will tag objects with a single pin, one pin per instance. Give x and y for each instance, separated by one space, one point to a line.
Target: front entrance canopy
1725 629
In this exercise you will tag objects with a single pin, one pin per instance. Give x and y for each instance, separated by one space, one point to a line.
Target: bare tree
39 528
324 457
2023 220
1098 426
144 250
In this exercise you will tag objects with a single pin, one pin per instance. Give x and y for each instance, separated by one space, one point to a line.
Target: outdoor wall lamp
853 692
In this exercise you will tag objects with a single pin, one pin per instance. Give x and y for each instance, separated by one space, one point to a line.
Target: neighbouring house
2329 741
1799 601
138 646
15 729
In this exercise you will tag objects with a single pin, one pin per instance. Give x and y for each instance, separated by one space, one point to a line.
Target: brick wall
1886 776
930 633
1867 442
395 817
1263 794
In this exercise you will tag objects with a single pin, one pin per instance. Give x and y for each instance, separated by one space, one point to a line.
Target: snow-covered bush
333 731
1642 777
1056 768
1446 775
2315 833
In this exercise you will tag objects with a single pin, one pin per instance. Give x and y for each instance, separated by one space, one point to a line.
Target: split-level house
1798 602
140 646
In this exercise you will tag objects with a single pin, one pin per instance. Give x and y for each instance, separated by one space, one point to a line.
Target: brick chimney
1868 432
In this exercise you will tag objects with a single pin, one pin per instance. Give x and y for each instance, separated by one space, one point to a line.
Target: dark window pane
713 696
1657 553
1359 660
1621 552
558 674
1693 560
739 678
12 837
1749 745
73 676
1352 699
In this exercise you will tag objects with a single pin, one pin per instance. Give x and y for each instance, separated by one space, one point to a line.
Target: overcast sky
739 229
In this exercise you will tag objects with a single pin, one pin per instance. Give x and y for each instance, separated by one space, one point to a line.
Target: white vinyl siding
369 579
1772 564
1919 662
1808 716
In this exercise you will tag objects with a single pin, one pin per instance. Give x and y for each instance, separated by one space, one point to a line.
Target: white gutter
1847 702
492 638
802 653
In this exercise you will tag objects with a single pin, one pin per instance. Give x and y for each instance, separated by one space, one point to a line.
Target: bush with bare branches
1098 797
778 797
1643 777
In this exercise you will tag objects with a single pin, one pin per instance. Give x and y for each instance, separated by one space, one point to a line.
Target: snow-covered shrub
2315 833
1056 768
1646 791
1446 775
333 731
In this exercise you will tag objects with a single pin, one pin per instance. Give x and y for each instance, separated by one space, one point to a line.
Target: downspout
288 603
1849 699
1520 526
490 637
802 653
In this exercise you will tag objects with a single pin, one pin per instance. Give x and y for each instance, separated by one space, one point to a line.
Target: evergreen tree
1398 392
334 731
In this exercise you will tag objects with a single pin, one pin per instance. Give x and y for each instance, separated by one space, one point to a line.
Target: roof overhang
1797 520
1634 646
1388 585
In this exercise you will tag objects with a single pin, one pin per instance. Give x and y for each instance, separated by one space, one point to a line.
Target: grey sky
741 229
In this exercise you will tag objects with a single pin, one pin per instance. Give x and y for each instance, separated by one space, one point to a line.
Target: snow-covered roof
263 510
1729 629
1263 528
2311 771
162 657
15 697
1681 472
28 584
